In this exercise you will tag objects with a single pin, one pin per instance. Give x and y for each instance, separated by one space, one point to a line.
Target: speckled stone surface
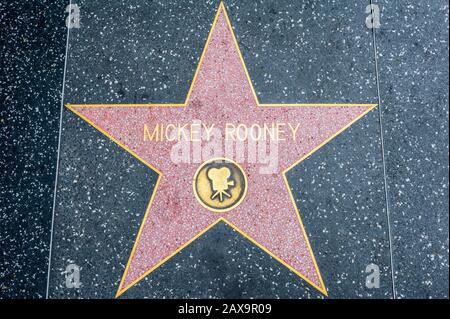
151 59
32 48
221 97
342 200
412 46
296 52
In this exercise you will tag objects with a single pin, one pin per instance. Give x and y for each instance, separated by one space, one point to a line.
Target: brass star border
222 8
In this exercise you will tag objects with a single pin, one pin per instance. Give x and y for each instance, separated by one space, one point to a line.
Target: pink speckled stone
221 94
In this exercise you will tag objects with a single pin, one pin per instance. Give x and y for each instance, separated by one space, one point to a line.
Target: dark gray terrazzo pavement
32 50
296 51
412 50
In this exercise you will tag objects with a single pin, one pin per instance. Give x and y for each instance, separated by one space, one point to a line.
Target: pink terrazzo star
221 93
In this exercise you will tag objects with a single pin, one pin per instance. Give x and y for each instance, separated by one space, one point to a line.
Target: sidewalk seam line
58 155
386 195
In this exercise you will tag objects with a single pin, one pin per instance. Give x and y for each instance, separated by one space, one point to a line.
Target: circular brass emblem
220 184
